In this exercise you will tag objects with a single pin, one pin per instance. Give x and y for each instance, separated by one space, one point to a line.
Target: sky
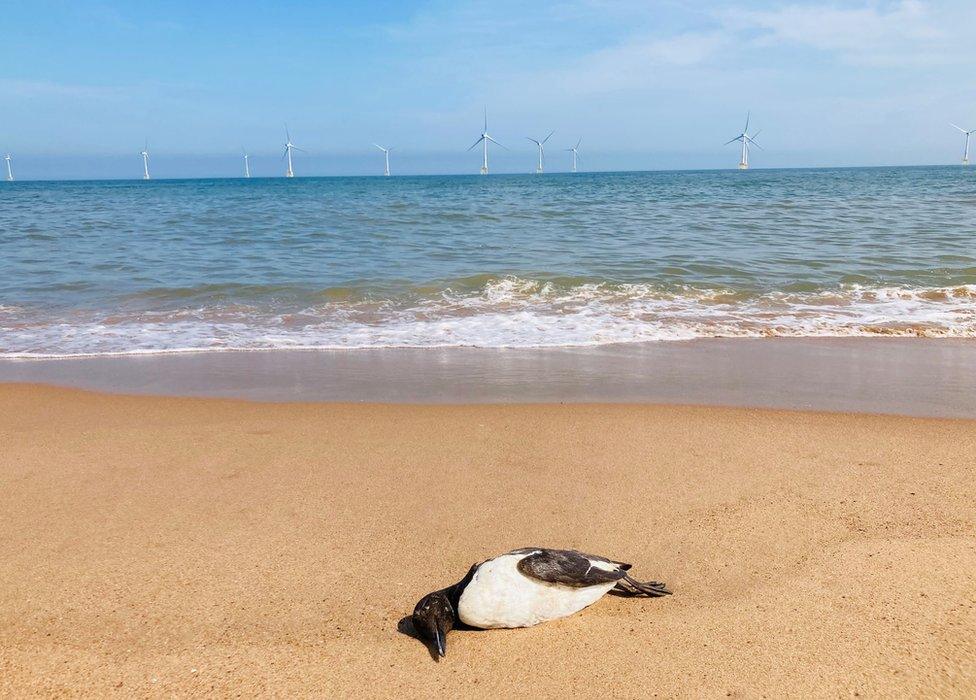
646 85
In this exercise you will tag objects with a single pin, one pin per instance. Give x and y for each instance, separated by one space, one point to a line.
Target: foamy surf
508 312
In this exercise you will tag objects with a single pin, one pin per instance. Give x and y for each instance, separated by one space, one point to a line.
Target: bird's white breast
499 595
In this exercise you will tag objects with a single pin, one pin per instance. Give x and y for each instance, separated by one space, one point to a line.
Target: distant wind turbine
247 165
386 152
970 132
542 151
145 161
10 173
289 147
746 140
484 139
575 150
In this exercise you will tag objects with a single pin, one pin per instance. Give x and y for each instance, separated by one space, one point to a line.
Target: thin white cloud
879 34
638 62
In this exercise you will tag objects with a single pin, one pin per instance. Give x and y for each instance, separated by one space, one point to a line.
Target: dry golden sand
156 546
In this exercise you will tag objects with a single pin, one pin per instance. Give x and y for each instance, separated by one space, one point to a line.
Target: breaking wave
506 312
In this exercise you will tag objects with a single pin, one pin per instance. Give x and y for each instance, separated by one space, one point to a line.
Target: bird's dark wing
567 567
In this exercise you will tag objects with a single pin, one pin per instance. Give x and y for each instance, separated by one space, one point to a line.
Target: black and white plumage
522 588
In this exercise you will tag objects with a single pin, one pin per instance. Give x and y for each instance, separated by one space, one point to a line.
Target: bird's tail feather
633 587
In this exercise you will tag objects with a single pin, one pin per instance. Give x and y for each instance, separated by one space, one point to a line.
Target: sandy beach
159 546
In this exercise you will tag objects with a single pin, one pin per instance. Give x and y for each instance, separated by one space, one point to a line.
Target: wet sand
156 546
907 376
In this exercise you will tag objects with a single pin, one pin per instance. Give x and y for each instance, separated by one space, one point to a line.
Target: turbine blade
737 138
296 148
579 142
287 135
746 130
495 142
486 117
476 143
380 147
755 144
548 137
534 141
958 127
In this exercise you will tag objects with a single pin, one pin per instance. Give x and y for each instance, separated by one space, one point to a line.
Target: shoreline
187 546
916 376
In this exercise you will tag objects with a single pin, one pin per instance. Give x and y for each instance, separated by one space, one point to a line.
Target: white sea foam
504 313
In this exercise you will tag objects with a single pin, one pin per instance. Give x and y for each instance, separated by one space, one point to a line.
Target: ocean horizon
559 260
550 172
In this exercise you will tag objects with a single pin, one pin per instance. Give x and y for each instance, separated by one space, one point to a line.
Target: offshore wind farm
745 139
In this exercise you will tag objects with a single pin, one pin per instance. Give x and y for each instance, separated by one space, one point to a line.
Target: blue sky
647 85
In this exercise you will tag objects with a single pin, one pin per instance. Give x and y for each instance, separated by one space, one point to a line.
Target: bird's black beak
439 641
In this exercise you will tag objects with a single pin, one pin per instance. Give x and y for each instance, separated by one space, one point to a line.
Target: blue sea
582 259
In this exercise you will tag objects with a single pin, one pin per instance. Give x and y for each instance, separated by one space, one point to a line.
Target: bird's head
433 618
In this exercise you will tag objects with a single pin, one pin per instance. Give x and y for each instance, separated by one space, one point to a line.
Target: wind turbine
145 161
542 151
970 132
10 173
386 152
247 165
484 139
289 147
746 140
575 150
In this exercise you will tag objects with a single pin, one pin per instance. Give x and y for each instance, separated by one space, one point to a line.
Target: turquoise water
502 261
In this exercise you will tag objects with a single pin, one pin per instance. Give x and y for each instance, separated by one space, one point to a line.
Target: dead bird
523 588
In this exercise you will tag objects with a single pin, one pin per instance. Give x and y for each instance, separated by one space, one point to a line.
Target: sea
504 261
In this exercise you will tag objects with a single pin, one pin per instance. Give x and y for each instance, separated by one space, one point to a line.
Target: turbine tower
289 147
145 161
10 173
247 165
386 152
965 154
542 152
484 139
746 140
575 150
